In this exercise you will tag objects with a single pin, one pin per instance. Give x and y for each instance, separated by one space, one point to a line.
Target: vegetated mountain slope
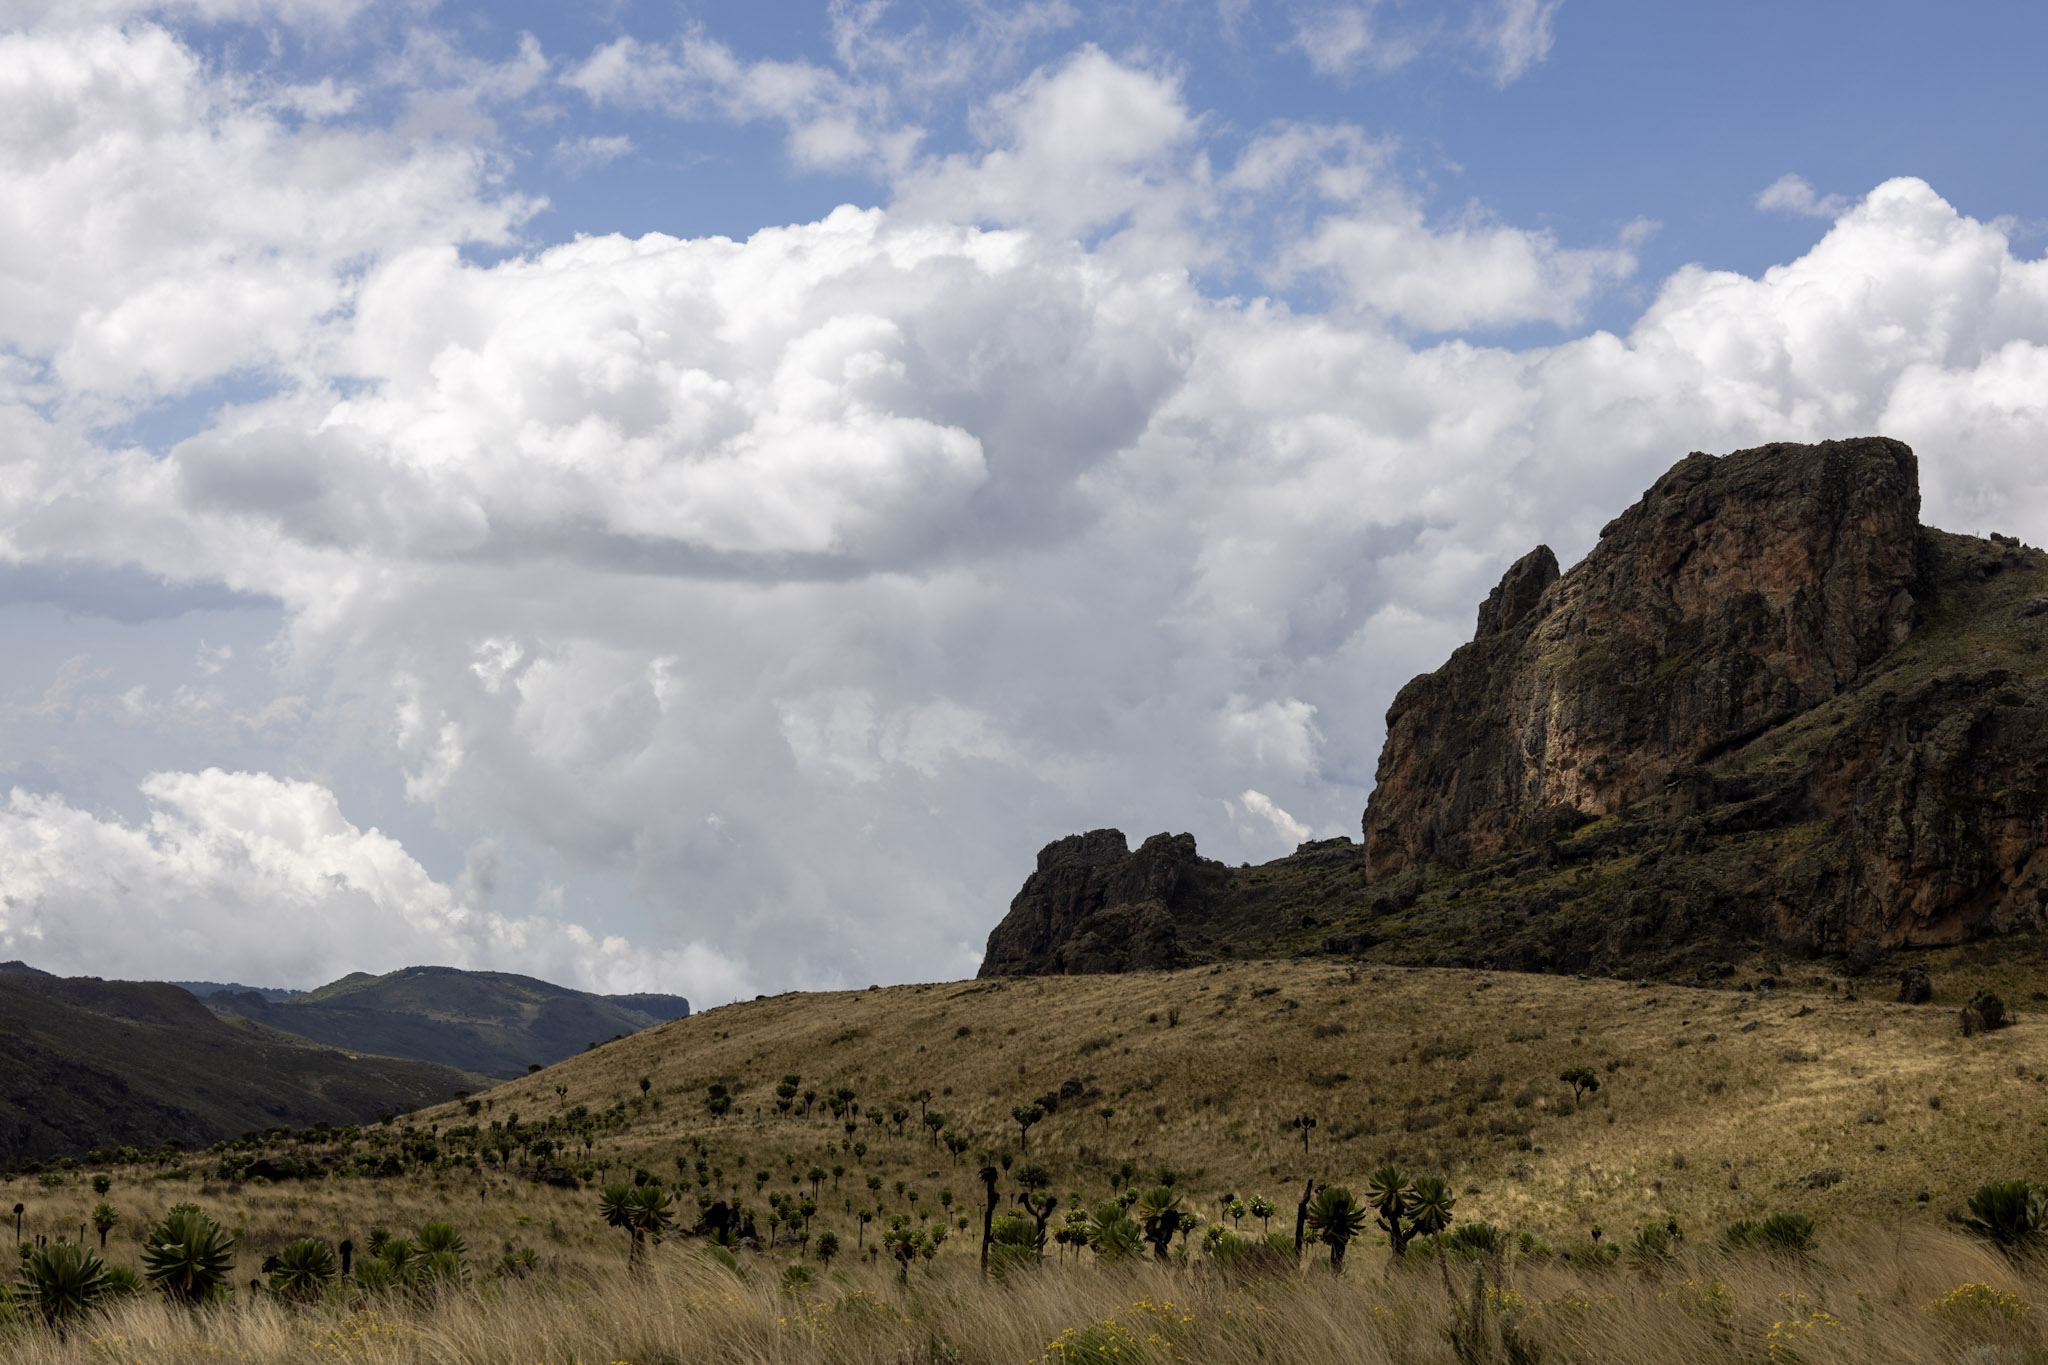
1713 1104
1769 713
493 1023
1786 1102
91 1063
203 989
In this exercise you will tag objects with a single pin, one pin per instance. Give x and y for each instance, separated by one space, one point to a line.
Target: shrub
1592 1255
1476 1239
1335 1218
1114 1234
1784 1232
1656 1242
1984 1013
304 1269
2011 1213
62 1281
1249 1256
1974 1301
188 1255
1014 1242
1160 1215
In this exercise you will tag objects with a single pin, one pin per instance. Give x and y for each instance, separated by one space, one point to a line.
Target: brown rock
1737 593
1768 713
1095 906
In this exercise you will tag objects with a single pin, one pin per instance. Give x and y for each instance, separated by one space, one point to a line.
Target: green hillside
494 1023
92 1063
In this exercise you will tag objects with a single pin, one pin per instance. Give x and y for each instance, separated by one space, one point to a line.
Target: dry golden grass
1713 1106
1878 1296
1723 1104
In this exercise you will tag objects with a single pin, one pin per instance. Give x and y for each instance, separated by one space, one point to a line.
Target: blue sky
1676 114
692 497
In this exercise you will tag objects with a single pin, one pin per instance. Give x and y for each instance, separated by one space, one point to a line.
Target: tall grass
1870 1294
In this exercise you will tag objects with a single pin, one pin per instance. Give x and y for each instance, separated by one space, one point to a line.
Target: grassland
1875 1118
1871 1299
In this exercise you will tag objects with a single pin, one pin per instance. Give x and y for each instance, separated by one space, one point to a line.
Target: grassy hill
1877 1119
493 1023
91 1063
1713 1104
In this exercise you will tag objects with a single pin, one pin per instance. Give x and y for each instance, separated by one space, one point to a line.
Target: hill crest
493 1023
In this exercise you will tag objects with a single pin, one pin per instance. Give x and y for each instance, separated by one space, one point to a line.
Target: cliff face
1739 593
1768 712
1094 906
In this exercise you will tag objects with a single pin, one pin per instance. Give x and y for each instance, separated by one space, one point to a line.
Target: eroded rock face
1095 906
1769 712
1738 593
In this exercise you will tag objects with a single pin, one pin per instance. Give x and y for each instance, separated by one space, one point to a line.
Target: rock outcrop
1095 906
1768 712
1737 594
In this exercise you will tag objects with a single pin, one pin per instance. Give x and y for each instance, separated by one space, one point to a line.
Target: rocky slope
1769 711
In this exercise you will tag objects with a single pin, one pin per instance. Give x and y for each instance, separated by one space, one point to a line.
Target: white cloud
1790 193
1260 806
1474 274
1088 144
160 228
1515 35
578 155
832 122
794 589
1340 39
267 877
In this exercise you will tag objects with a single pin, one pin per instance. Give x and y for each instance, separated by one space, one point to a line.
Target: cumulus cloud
794 589
1473 274
268 877
160 227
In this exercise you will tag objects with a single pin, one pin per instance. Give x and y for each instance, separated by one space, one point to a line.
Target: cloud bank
802 585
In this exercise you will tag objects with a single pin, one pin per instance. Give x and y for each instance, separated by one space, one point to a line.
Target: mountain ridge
492 1023
93 1063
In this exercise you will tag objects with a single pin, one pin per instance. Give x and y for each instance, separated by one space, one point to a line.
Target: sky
693 497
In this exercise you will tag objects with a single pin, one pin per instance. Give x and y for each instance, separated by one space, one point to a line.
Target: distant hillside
91 1063
493 1023
1769 716
203 989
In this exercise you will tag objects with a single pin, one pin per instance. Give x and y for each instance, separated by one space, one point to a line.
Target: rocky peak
1095 906
1738 592
1769 714
1517 594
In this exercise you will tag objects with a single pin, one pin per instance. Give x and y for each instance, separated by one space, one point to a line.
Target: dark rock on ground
1915 986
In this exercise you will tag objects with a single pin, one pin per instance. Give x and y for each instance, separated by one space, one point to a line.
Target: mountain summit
1769 707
